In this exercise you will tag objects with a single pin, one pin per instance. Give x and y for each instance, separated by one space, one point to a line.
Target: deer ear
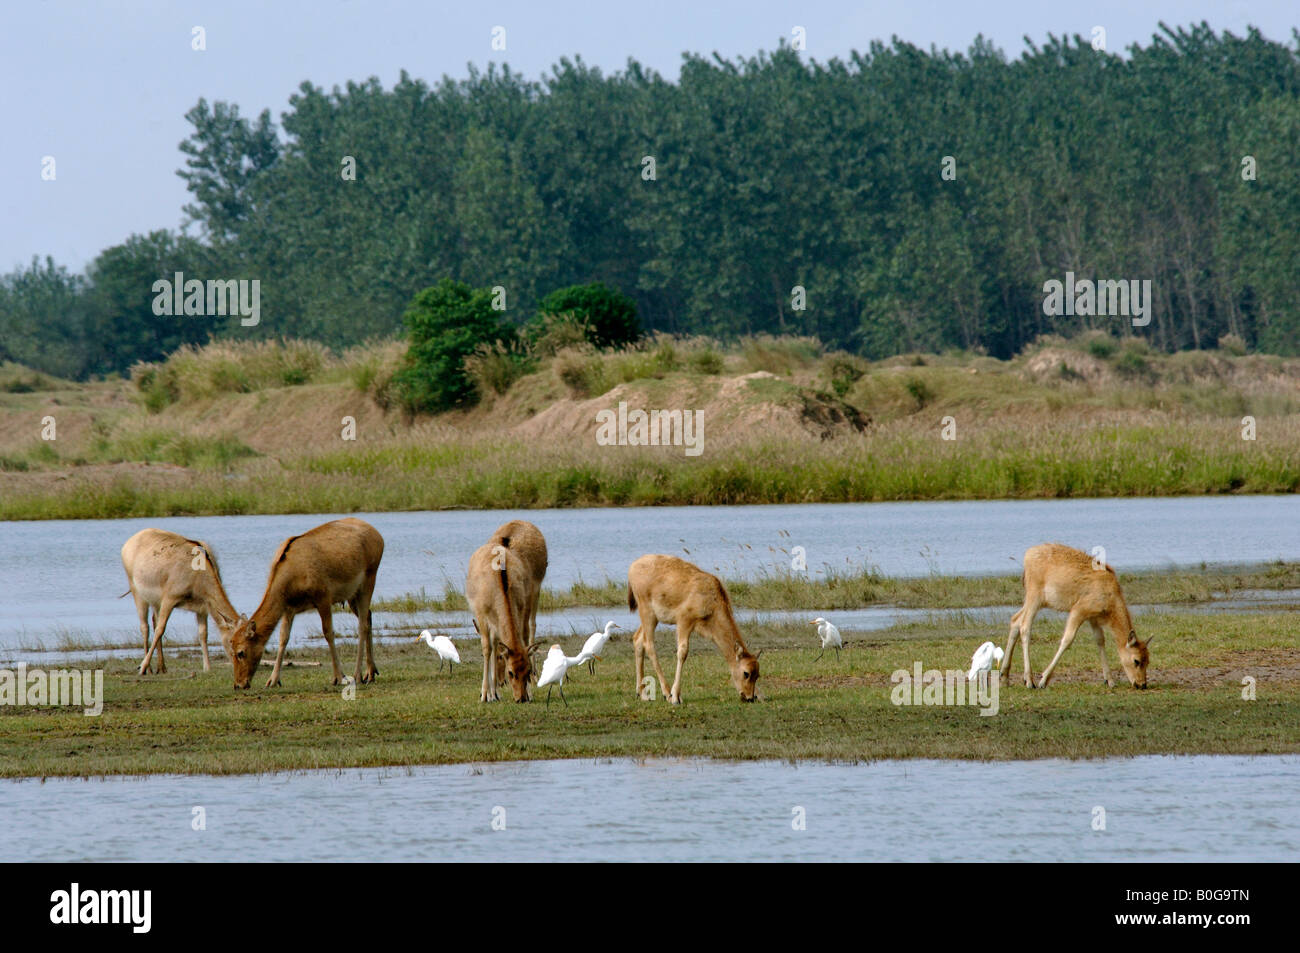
1148 642
759 655
1133 640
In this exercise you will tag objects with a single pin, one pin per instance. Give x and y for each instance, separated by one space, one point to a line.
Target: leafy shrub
609 315
779 355
1100 345
844 371
920 391
581 371
1133 364
371 366
549 334
446 323
707 361
1232 344
494 367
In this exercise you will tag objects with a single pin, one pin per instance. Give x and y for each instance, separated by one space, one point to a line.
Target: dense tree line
710 198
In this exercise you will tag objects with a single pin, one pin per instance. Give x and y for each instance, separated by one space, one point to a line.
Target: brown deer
334 563
497 588
166 572
1070 580
671 590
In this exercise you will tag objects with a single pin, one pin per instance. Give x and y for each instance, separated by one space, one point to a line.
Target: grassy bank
261 430
190 722
857 590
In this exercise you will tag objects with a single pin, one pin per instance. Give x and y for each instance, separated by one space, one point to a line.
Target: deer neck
1120 624
218 603
270 611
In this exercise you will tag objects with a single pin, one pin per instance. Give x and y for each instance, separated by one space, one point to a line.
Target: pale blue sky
103 87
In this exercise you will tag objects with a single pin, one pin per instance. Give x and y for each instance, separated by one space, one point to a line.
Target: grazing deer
167 572
1069 580
671 590
334 563
525 541
497 588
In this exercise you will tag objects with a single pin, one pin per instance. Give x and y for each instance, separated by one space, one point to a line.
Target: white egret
830 637
554 669
984 659
447 654
595 644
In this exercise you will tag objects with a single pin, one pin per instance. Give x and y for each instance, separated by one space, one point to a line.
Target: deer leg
142 610
285 626
327 629
1004 667
362 608
683 645
159 627
203 639
1026 613
361 650
648 640
1071 626
489 691
1101 650
638 653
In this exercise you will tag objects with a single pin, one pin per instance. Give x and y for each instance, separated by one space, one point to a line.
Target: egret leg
591 666
837 653
562 698
819 655
548 695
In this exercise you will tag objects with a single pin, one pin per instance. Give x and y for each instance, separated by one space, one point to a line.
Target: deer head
518 668
744 674
1134 657
245 648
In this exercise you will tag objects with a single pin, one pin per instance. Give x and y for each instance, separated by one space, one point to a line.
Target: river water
1185 808
63 578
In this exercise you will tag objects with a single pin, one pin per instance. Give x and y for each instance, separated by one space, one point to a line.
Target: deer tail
499 554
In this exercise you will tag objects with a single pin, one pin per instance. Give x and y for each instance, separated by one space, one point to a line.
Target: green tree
609 315
446 323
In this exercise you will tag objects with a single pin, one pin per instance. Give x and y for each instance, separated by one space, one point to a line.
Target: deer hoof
272 681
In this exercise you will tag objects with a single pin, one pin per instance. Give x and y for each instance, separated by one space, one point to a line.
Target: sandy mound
1047 363
753 403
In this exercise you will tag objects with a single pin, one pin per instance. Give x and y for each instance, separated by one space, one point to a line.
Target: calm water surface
1186 808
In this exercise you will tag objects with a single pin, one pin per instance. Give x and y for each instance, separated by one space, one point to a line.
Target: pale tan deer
334 563
497 588
527 542
671 590
167 572
1069 580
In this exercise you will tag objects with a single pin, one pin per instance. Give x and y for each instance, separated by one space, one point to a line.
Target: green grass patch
192 722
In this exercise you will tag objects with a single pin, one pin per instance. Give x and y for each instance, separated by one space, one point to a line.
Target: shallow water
1184 808
43 563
